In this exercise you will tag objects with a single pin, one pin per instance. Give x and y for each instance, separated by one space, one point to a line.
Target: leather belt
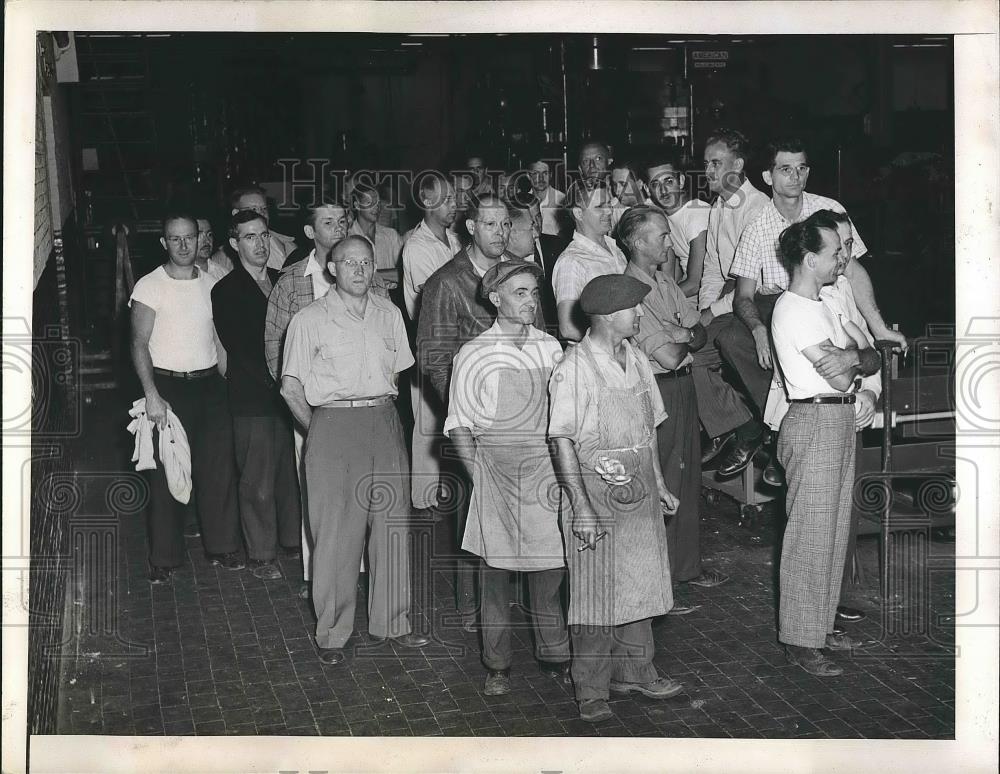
363 403
839 400
186 374
685 371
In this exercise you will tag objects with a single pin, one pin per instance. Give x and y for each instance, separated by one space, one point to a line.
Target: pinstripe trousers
816 446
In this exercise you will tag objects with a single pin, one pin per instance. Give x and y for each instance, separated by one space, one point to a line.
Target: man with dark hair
816 443
688 218
206 246
268 496
453 312
299 284
669 332
497 417
175 353
721 408
550 198
430 246
604 408
761 274
340 373
591 253
255 198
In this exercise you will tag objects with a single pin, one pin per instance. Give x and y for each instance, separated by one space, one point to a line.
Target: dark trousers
679 445
737 347
456 489
358 480
202 407
268 494
605 653
720 406
546 613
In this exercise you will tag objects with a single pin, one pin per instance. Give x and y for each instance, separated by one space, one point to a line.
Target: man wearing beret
497 418
604 407
669 331
452 312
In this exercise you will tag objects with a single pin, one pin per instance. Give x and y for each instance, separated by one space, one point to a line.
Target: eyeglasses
492 225
177 241
264 236
354 263
787 169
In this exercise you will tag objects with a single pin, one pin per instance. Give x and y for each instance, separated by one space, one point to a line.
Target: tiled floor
222 652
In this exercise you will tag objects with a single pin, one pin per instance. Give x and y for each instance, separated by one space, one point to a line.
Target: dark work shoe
497 683
411 640
850 614
294 552
682 609
192 530
557 670
264 570
160 575
229 561
595 710
739 456
715 447
330 656
843 642
773 475
813 661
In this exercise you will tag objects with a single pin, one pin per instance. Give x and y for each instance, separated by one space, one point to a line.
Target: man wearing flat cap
453 312
497 422
604 407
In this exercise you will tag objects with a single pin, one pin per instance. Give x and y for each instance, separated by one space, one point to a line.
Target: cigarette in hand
585 546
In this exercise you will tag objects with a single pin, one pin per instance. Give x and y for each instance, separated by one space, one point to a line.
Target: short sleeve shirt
574 387
183 337
424 254
582 261
690 220
757 254
479 367
664 302
340 356
798 323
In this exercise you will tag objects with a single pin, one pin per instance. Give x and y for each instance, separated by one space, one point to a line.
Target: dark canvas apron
628 577
513 519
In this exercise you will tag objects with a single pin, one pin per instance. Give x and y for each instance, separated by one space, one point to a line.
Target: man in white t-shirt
816 444
175 356
688 218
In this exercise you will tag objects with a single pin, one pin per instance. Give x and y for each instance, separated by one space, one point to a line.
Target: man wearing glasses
761 275
174 349
453 312
267 493
340 377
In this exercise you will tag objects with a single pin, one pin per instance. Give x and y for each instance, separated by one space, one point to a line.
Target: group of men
559 387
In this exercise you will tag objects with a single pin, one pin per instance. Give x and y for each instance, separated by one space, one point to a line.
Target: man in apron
497 417
604 407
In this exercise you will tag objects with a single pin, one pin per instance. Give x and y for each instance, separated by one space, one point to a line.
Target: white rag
175 452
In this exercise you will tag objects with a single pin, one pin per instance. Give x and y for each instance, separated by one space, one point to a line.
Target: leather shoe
594 710
838 629
813 661
773 475
264 570
228 561
410 640
660 688
557 670
843 642
708 579
850 614
739 456
469 623
497 683
160 576
715 447
330 656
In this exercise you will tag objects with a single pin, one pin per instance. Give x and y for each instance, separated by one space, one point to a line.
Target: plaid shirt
291 293
757 255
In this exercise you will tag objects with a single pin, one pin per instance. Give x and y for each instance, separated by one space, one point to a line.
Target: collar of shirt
590 246
335 305
312 265
503 338
423 231
738 197
609 365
